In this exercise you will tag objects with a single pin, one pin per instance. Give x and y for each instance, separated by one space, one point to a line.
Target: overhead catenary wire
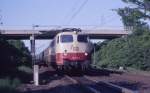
72 10
79 9
105 21
1 23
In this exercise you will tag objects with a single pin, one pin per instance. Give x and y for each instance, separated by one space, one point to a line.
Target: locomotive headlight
75 32
65 53
85 54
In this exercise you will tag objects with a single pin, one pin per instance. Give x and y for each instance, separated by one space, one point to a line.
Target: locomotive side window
66 38
58 39
82 38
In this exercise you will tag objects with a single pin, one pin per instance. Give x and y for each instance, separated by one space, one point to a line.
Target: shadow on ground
48 76
90 72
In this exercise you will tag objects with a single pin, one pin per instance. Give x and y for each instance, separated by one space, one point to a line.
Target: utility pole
35 66
94 53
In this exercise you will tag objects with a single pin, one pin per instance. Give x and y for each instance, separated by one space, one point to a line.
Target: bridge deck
50 34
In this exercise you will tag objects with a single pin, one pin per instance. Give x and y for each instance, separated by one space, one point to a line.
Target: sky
23 14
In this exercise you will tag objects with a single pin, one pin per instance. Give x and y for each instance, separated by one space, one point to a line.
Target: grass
25 69
135 71
8 85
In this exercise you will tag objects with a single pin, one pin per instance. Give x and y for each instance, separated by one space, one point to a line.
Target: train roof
71 30
66 33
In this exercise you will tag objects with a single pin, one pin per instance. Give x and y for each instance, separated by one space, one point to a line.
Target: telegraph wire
79 9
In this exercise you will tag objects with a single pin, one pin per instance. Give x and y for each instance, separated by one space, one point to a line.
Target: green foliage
130 51
13 56
25 69
20 46
133 50
24 57
9 86
134 16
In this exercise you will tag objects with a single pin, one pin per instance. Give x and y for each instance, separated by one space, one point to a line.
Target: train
70 49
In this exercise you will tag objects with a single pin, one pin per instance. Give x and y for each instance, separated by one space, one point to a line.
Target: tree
24 56
135 16
132 50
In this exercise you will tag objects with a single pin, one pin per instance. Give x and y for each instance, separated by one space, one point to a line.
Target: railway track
91 86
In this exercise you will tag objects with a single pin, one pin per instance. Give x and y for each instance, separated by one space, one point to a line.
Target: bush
131 51
15 64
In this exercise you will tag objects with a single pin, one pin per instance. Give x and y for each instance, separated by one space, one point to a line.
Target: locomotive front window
66 38
82 38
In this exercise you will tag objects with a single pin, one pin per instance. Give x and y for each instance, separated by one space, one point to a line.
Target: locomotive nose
75 56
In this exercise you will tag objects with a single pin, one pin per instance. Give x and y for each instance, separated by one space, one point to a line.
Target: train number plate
75 48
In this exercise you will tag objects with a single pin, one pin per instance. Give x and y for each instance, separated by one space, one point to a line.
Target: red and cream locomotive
68 50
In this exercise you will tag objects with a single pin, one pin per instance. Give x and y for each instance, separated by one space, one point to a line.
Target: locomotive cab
72 50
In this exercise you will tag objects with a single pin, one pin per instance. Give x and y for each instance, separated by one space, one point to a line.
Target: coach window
66 38
82 38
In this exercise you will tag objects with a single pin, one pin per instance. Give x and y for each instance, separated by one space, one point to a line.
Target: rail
98 87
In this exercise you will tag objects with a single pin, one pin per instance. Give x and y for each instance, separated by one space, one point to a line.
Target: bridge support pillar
35 66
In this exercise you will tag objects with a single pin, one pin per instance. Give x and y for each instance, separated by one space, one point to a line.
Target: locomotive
68 50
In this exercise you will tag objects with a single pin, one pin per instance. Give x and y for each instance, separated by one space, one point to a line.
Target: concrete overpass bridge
50 34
